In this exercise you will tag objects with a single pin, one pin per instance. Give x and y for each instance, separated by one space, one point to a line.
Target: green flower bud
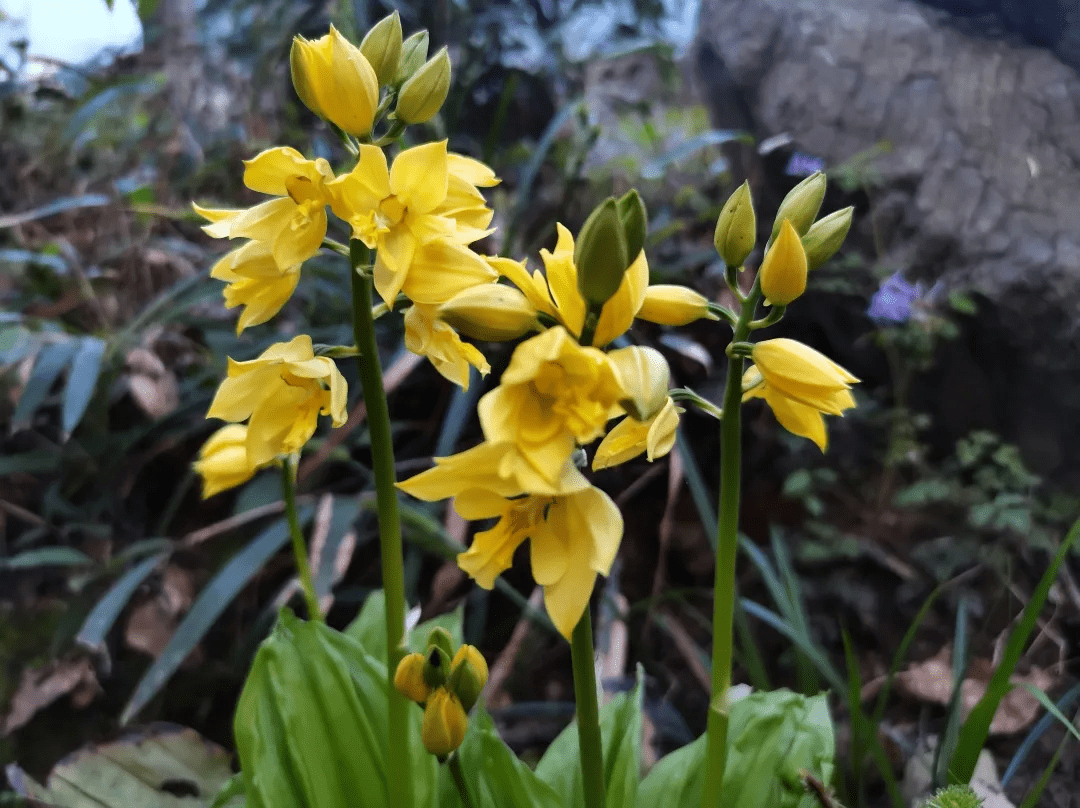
442 638
413 55
422 95
468 675
409 678
600 254
635 222
801 205
736 228
382 47
825 236
436 666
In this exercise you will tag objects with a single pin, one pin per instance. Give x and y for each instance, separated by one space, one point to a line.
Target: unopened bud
436 666
635 222
671 304
783 272
441 638
409 678
382 47
422 96
492 312
413 55
600 254
444 724
335 81
801 205
468 675
645 376
826 236
736 228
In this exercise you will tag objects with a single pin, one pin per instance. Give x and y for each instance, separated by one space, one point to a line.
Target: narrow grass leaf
47 557
1036 732
1051 708
943 752
106 611
211 602
50 363
82 379
824 666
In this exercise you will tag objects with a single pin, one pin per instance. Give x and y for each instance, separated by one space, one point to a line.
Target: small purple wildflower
803 165
894 301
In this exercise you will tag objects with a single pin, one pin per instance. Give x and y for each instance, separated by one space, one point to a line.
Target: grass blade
821 662
82 379
104 614
1036 732
50 363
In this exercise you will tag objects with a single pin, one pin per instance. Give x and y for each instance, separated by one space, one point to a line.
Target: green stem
588 712
726 547
303 570
459 779
399 779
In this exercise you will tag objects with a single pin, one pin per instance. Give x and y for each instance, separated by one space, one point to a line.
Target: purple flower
803 165
893 302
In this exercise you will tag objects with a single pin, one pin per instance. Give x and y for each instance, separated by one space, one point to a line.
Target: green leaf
232 793
1051 708
369 627
50 363
47 557
676 780
211 602
620 731
82 379
105 613
148 770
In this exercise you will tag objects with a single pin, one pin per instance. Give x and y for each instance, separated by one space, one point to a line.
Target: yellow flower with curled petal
223 460
281 394
629 438
799 385
256 282
292 226
420 213
553 395
427 335
335 81
572 538
556 293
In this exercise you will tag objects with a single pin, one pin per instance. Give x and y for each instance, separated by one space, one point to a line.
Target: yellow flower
645 376
335 81
444 724
670 304
419 214
223 460
427 335
292 226
282 392
557 294
256 282
783 272
409 678
799 385
553 395
629 438
573 537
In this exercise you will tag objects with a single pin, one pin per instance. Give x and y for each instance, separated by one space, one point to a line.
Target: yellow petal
223 462
472 171
261 298
535 288
349 94
268 171
669 304
440 270
357 194
562 281
798 419
428 336
620 310
418 176
303 235
783 271
567 598
445 723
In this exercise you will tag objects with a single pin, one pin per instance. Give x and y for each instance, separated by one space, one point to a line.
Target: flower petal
418 176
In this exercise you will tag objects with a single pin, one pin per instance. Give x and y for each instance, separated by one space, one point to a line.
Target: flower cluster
446 683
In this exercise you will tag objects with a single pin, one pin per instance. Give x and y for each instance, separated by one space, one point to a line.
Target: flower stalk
588 712
399 779
726 547
299 546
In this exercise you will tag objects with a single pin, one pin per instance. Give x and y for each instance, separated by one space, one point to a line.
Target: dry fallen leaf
152 622
40 687
152 385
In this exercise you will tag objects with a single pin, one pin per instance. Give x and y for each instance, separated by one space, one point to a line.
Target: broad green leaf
369 627
211 602
82 379
676 780
162 767
231 794
50 363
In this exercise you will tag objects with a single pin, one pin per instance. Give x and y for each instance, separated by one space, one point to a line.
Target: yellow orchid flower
223 460
629 438
335 81
256 282
292 226
419 214
553 395
573 537
799 385
427 335
557 295
282 392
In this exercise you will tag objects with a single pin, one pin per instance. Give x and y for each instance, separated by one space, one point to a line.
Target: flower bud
645 376
409 678
444 724
382 47
783 272
223 460
468 675
492 312
436 666
413 54
801 205
736 227
335 81
635 222
422 95
670 304
825 236
600 254
441 638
